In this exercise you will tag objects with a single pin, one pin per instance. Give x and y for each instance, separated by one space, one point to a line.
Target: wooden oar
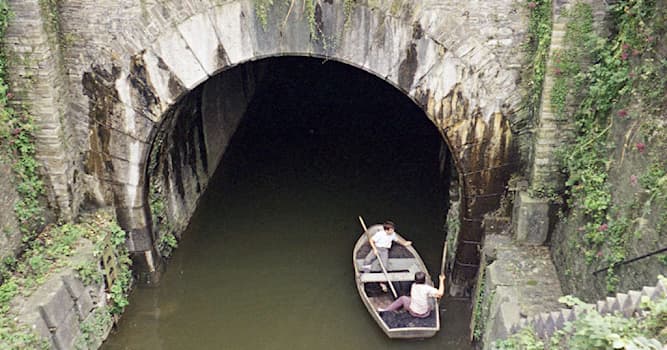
368 234
444 259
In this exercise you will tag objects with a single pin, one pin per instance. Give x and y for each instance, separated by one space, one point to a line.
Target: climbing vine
17 139
284 8
166 241
537 50
596 76
121 286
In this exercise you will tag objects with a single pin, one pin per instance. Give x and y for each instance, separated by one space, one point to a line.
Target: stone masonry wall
128 62
196 135
36 78
88 30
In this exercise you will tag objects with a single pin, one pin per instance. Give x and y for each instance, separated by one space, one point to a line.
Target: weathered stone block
67 331
504 311
80 295
530 219
234 29
57 304
198 32
36 322
496 275
177 55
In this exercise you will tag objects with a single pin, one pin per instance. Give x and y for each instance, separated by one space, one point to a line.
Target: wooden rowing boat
403 263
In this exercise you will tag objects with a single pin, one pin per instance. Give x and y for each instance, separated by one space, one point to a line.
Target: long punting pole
393 291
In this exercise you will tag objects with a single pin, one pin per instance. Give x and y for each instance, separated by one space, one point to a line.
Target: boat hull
404 262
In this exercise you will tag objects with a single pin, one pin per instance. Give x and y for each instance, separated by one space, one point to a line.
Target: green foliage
594 75
481 307
310 6
545 192
8 290
47 254
593 331
17 135
89 273
348 8
44 255
655 324
655 181
264 8
167 241
121 286
18 336
93 328
17 139
167 244
537 50
568 63
118 236
525 339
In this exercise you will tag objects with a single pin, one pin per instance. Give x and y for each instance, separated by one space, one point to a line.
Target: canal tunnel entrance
265 260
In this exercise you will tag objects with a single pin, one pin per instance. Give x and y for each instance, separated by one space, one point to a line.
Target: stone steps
551 133
626 304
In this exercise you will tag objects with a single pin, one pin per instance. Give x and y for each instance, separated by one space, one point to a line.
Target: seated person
417 303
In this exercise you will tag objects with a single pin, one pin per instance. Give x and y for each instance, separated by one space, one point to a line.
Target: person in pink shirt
417 304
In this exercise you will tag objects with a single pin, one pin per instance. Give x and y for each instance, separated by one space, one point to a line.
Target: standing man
382 240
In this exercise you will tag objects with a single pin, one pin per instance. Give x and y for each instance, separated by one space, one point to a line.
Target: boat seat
396 264
393 276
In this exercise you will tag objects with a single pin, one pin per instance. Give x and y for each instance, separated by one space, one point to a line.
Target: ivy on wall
284 8
602 82
537 51
18 145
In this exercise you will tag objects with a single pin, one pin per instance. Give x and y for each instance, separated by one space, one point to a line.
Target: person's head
420 277
388 226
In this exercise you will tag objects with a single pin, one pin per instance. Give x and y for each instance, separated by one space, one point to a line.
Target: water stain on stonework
98 85
417 31
223 57
144 95
176 88
408 68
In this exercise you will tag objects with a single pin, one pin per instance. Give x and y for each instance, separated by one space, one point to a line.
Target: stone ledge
520 282
57 308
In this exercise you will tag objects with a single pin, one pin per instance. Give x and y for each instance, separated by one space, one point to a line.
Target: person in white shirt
417 304
382 240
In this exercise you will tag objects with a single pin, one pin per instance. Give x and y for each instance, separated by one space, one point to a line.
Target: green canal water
266 262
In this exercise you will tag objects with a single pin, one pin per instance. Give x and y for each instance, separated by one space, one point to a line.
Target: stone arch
461 86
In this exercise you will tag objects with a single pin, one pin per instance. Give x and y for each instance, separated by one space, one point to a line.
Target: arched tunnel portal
333 126
135 99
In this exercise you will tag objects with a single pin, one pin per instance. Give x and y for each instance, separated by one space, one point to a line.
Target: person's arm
372 241
441 287
403 242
